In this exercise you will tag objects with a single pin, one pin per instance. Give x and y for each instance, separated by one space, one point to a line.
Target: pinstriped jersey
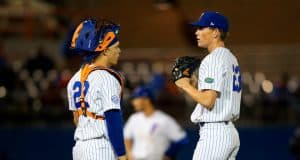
219 71
102 93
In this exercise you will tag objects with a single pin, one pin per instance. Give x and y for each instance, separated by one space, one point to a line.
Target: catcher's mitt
184 67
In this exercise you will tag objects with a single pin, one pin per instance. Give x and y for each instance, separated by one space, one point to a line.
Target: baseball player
94 94
151 134
219 91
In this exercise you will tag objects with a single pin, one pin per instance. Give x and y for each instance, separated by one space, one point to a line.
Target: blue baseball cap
142 92
212 19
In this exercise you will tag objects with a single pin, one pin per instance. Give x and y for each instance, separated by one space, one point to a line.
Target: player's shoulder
218 56
75 77
101 72
225 56
164 116
102 75
135 116
219 53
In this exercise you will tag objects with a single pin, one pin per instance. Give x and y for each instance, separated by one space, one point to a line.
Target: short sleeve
211 74
71 102
109 90
128 129
173 131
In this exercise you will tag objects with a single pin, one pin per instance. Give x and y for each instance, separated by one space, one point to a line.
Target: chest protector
86 70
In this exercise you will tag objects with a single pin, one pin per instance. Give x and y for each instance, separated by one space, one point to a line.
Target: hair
223 35
90 57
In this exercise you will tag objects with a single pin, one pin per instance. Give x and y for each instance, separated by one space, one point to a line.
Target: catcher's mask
87 38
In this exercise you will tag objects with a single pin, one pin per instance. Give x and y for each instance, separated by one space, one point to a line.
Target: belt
94 138
201 124
87 113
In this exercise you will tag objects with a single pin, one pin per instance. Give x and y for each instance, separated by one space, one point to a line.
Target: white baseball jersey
220 71
152 135
102 93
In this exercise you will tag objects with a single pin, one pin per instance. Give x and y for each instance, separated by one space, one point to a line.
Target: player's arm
75 118
128 134
206 98
211 75
128 145
122 158
175 147
114 124
177 137
71 102
109 90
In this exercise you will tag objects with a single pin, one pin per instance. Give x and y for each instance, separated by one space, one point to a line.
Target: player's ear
216 33
105 52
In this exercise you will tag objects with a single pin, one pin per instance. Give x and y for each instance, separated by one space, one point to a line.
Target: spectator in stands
8 78
39 62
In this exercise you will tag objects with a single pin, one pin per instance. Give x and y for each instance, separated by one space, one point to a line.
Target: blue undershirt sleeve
114 123
176 146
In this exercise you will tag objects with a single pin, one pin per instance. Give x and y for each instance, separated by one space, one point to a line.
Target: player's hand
122 157
183 82
130 157
184 67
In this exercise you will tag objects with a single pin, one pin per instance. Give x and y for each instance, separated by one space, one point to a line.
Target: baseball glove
184 67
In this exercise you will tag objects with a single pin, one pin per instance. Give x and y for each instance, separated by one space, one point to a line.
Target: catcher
95 93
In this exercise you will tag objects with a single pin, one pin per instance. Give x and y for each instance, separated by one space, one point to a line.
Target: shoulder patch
209 80
115 99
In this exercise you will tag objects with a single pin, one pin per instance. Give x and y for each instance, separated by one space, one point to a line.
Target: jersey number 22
77 92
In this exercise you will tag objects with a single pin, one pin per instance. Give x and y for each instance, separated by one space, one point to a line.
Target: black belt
201 124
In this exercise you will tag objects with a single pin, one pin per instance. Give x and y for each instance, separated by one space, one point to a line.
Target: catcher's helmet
88 38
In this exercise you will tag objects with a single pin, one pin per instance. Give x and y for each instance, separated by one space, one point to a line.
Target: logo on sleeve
209 80
115 99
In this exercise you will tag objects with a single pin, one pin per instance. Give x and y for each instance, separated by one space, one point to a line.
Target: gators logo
209 80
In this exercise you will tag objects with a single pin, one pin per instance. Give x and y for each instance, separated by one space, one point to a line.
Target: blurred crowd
271 101
34 91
